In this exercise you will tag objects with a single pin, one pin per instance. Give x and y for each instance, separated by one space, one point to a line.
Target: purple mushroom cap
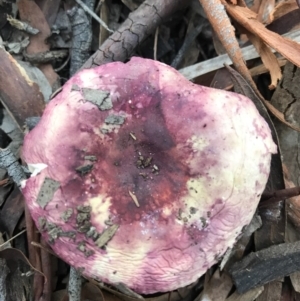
143 178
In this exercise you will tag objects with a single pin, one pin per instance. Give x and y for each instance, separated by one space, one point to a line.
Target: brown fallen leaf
264 12
268 58
284 8
261 69
293 203
247 18
21 97
12 211
12 255
249 296
295 279
31 13
272 291
49 9
221 24
217 287
255 6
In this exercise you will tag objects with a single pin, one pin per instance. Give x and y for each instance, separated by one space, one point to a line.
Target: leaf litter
274 49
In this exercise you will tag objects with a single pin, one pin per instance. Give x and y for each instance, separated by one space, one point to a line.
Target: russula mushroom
142 177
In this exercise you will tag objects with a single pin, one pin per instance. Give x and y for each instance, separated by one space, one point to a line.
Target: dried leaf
30 12
217 287
272 291
106 235
295 279
178 295
12 211
249 296
269 59
260 99
255 5
264 12
293 203
283 8
221 24
261 69
222 80
127 291
49 9
287 48
206 67
22 100
12 255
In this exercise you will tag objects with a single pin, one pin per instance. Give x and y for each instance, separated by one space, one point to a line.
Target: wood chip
259 268
132 136
106 235
134 198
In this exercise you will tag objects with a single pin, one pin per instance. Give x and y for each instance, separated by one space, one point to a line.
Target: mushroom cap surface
145 178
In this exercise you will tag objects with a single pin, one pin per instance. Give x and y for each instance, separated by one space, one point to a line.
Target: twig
11 239
45 57
281 194
89 11
64 64
82 38
216 63
186 45
155 43
219 20
45 248
34 255
46 268
139 25
9 162
74 288
98 7
23 26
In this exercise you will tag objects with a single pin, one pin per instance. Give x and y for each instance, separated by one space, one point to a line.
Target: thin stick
189 39
218 62
139 24
74 288
9 162
155 43
89 11
9 240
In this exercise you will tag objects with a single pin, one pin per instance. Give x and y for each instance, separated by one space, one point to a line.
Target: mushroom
143 178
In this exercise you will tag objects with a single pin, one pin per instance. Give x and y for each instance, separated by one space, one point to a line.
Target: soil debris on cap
98 97
106 235
84 169
114 119
85 209
67 214
75 87
46 193
90 158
